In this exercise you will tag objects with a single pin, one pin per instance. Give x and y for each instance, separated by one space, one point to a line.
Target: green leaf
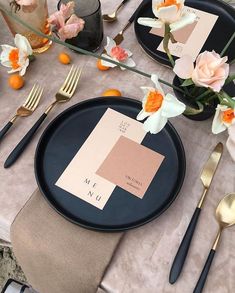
187 82
194 111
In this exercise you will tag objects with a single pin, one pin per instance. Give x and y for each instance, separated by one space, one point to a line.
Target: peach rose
71 28
210 70
67 24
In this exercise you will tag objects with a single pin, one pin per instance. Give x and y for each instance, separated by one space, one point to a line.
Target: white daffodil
170 12
158 107
231 141
224 117
117 54
16 58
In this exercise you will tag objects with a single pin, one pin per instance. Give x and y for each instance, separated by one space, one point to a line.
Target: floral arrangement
158 107
65 23
202 81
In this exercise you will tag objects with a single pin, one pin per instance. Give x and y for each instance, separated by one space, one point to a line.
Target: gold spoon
225 215
113 16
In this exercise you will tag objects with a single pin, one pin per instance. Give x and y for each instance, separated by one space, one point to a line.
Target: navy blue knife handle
5 129
182 252
202 279
18 150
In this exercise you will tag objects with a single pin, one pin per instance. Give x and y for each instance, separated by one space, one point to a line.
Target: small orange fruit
111 93
64 58
100 66
16 81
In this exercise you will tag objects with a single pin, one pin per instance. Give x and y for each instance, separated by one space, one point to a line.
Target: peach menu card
191 38
131 166
80 178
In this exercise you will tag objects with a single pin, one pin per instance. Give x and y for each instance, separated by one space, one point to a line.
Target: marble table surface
143 259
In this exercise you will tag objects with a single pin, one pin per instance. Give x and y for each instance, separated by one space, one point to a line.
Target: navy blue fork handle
19 149
5 129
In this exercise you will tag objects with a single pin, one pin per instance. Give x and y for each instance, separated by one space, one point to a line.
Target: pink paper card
131 166
191 38
80 178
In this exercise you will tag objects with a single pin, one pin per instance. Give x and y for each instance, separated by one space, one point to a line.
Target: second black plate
218 38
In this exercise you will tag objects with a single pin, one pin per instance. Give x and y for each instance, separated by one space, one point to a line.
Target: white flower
117 54
158 107
224 117
231 141
16 58
170 12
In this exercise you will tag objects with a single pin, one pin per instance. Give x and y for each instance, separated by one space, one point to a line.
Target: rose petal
72 27
57 19
184 67
67 9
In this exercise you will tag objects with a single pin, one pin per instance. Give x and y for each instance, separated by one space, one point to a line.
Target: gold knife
119 37
206 178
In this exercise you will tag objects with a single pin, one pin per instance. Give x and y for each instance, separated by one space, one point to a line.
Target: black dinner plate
63 138
218 38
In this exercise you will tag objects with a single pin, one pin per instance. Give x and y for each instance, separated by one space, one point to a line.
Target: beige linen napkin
56 255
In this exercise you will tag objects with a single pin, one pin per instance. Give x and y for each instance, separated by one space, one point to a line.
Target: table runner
56 255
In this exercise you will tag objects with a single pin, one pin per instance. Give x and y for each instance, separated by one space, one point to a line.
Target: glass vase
36 15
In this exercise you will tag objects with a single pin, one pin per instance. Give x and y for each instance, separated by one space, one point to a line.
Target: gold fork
26 109
64 94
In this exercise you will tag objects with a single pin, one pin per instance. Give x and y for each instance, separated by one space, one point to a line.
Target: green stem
228 98
227 45
230 79
203 95
222 101
166 39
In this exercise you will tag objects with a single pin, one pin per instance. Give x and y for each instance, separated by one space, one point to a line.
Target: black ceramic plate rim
160 59
114 229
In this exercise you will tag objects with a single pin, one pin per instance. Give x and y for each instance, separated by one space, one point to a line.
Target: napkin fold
56 255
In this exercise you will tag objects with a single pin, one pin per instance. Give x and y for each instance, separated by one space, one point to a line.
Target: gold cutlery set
225 215
64 94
